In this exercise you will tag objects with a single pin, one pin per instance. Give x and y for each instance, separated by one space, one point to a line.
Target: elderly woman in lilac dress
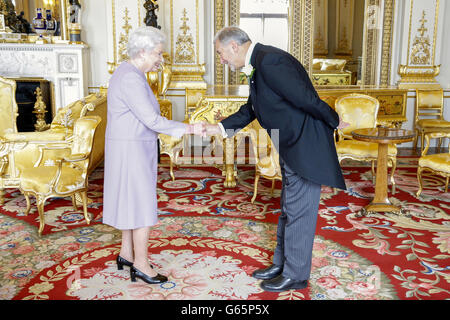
131 151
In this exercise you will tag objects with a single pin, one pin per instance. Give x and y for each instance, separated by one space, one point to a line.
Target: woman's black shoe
135 273
123 262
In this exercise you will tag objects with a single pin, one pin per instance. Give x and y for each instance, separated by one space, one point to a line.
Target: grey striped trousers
296 224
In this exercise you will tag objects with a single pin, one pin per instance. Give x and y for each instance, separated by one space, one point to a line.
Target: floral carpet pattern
210 239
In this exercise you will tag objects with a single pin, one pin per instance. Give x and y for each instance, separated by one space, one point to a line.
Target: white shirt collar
247 69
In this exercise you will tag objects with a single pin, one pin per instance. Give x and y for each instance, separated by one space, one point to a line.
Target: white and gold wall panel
122 17
185 20
421 58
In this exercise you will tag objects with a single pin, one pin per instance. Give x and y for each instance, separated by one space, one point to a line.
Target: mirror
373 22
25 11
337 42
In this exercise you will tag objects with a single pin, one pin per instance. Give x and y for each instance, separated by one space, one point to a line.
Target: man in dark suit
283 98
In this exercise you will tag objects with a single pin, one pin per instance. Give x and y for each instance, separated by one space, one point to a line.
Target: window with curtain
266 21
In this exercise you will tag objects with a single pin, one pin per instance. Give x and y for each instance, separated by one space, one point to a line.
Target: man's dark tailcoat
283 97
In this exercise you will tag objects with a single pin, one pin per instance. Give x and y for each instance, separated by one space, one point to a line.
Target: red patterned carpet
210 239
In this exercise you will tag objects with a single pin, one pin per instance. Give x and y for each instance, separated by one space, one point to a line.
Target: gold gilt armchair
429 103
267 159
61 170
360 111
8 115
436 163
21 148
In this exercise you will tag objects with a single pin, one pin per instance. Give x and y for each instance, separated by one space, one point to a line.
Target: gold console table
217 103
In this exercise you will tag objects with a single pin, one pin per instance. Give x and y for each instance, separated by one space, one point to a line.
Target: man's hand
342 124
197 129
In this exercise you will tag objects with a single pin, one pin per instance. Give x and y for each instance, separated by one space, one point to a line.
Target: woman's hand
197 129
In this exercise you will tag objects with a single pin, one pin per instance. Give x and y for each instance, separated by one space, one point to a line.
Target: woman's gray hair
144 38
225 35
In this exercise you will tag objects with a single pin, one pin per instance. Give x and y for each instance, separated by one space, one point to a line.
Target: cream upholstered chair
61 171
429 103
436 163
267 159
360 111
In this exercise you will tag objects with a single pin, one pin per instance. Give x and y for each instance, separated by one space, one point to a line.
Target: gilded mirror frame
301 37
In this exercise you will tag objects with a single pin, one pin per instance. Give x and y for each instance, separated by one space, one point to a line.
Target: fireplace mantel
64 65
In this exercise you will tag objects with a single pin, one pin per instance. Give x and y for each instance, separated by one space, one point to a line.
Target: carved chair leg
416 138
86 215
419 179
255 188
273 187
2 194
74 203
27 198
40 201
422 138
439 145
171 170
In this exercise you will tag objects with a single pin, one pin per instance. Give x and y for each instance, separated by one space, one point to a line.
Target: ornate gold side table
217 103
382 136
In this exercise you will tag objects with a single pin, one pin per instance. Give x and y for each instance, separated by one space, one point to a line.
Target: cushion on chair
333 64
267 168
65 117
436 123
358 112
429 98
438 162
362 149
37 179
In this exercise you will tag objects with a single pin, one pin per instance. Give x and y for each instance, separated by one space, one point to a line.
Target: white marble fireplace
64 65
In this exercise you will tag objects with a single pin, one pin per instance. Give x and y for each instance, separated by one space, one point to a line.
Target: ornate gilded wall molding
219 23
372 18
130 12
123 38
386 55
185 17
420 69
301 22
184 45
234 15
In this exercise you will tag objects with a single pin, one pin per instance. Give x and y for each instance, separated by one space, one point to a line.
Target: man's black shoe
268 273
280 283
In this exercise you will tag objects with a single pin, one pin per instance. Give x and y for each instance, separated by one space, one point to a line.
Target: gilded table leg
381 202
381 176
230 173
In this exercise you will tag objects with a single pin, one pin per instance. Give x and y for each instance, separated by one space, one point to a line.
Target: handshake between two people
203 129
